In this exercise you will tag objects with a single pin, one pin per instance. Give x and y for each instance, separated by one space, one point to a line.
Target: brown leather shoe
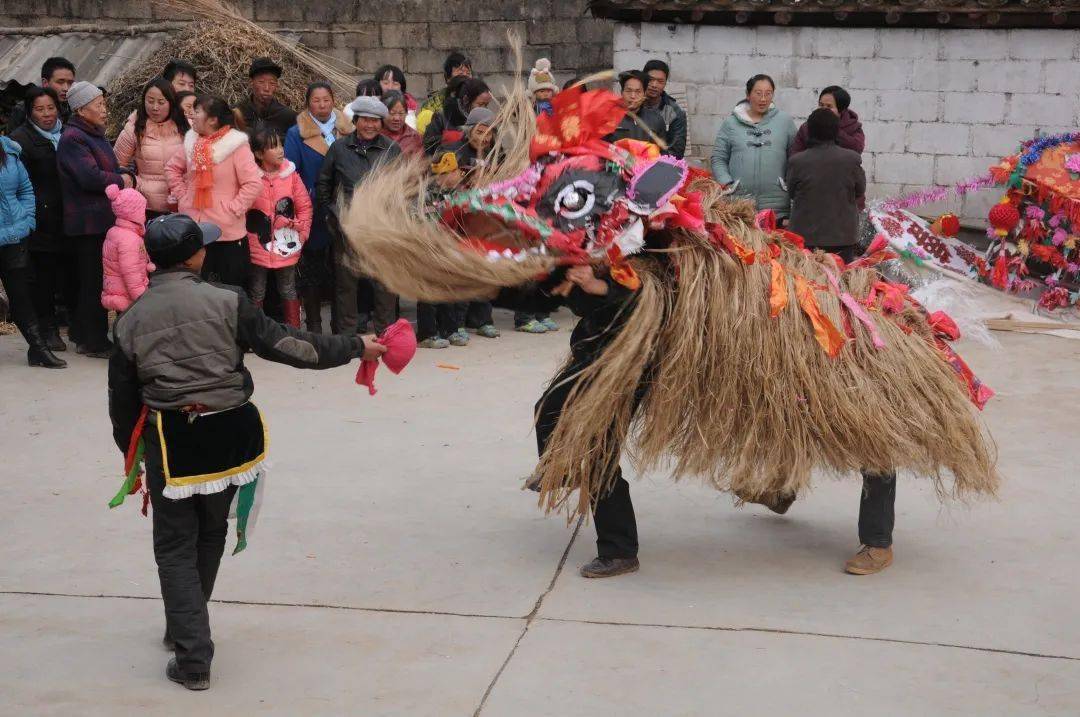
869 560
609 567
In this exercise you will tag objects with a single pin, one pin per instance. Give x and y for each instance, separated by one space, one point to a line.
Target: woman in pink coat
150 139
123 256
280 220
215 179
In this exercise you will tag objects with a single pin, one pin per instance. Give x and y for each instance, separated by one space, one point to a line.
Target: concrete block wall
413 34
937 105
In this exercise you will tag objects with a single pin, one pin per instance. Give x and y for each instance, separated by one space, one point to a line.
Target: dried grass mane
748 403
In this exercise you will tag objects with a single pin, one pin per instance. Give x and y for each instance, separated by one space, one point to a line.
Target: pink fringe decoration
936 194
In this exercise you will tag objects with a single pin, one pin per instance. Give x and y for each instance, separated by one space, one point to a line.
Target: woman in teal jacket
16 223
752 147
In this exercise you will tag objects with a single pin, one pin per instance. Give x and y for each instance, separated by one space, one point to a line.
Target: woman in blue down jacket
16 223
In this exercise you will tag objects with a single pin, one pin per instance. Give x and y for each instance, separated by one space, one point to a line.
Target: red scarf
203 160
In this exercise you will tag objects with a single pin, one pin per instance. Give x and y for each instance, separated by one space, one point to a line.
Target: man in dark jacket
177 377
674 116
648 122
57 73
348 161
603 305
825 183
262 107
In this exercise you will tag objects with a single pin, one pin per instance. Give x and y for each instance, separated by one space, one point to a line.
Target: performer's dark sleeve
293 347
584 304
125 399
532 298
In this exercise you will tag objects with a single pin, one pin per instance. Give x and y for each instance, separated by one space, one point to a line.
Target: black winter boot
39 354
52 339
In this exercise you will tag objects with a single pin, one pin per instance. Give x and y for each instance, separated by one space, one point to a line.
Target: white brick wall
937 105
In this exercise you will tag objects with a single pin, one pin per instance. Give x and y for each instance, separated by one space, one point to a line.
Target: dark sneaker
609 567
192 681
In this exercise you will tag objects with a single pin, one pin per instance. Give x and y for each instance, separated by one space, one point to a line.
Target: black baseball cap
175 238
264 65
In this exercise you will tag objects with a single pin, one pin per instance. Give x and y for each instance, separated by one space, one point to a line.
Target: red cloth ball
1004 217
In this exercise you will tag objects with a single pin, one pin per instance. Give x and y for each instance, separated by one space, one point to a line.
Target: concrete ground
398 569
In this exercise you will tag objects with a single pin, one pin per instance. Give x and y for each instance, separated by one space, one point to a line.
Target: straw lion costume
762 361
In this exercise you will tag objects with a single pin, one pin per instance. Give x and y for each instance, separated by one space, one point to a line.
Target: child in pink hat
127 265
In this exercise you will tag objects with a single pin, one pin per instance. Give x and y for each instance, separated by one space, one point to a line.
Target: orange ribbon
625 275
778 291
827 335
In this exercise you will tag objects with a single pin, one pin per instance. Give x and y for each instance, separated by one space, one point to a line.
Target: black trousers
877 510
50 269
437 320
477 314
350 295
613 514
227 262
15 276
90 327
189 539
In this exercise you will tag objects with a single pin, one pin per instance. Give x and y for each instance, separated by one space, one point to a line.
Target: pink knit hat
127 204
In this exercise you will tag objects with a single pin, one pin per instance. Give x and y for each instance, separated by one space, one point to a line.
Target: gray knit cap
81 94
480 115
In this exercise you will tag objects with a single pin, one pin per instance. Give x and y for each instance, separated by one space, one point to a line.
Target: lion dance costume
761 362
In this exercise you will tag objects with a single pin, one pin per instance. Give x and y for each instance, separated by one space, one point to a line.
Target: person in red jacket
838 101
278 223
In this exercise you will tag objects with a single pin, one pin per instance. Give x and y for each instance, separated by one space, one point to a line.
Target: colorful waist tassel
245 499
132 462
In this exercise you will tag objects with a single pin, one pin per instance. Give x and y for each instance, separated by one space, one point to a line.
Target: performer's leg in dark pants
613 514
877 510
189 538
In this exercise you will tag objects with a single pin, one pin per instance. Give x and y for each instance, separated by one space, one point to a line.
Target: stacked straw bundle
221 44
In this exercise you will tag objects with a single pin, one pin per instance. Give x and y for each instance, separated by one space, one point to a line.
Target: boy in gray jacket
177 379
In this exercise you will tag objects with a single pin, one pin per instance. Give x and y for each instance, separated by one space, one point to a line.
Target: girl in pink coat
278 222
127 266
215 179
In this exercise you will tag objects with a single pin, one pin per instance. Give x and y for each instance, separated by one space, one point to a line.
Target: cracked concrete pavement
398 569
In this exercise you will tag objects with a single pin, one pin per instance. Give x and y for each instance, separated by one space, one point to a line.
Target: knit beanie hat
127 204
480 115
540 77
81 94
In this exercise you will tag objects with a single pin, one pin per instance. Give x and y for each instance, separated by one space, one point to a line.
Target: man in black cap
178 389
262 107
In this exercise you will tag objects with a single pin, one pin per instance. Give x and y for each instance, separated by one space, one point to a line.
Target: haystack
221 44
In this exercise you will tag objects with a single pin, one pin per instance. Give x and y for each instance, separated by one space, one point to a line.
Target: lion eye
575 200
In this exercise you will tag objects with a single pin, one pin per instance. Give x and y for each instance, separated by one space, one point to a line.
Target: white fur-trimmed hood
287 168
233 140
